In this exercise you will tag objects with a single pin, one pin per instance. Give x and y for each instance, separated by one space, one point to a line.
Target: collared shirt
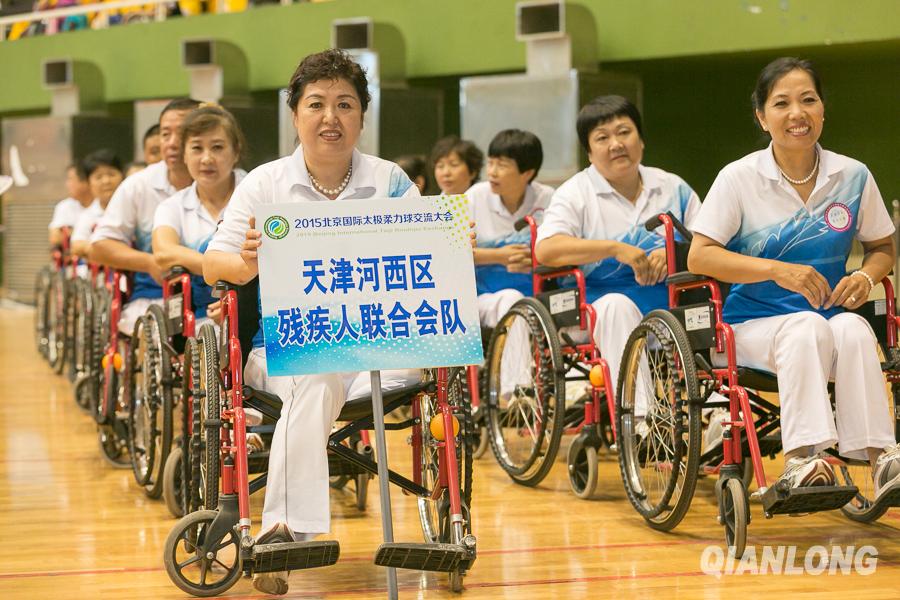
587 207
753 210
65 213
88 218
195 227
287 180
129 218
495 228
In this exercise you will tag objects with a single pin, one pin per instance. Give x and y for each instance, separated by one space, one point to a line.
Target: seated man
122 239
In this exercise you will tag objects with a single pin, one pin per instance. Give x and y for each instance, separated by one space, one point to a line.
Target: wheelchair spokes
658 425
526 393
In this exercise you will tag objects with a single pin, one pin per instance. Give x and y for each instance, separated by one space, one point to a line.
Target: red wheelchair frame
201 533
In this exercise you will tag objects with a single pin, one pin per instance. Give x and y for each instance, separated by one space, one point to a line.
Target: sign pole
384 485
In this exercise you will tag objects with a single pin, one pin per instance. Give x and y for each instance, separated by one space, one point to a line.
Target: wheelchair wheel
526 404
434 515
583 472
56 322
150 415
41 297
81 347
207 406
198 572
734 514
173 485
659 444
99 340
859 473
113 447
72 308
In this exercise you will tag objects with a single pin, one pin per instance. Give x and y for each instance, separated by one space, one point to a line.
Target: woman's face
210 157
793 113
104 181
452 174
616 148
328 119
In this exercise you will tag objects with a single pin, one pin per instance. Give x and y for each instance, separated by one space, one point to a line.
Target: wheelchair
111 357
52 306
660 451
84 364
158 388
217 532
526 419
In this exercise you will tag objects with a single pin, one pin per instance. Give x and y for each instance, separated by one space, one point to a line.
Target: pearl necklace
335 191
805 179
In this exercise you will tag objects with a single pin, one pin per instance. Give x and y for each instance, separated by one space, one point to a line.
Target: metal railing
158 10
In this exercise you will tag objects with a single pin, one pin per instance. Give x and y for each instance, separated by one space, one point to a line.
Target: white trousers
133 311
617 317
805 351
297 482
515 364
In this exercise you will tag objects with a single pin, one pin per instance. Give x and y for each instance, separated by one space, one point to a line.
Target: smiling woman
779 224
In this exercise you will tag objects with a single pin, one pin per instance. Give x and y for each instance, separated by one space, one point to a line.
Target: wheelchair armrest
683 277
175 272
542 270
222 287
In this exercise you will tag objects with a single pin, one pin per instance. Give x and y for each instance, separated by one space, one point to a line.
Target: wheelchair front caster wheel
582 462
197 565
173 484
734 513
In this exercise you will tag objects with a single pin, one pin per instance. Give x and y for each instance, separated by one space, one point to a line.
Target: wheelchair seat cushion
361 408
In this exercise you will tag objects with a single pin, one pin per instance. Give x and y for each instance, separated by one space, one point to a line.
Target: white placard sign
363 285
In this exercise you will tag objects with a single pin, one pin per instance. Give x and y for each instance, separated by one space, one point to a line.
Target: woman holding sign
328 97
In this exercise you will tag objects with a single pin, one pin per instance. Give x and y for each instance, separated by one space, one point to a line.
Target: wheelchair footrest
421 557
806 499
291 556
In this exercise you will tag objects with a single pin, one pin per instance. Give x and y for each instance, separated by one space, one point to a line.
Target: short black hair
467 151
774 71
180 104
330 65
104 157
603 109
522 146
151 131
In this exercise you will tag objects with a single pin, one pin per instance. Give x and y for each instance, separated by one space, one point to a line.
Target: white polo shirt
495 228
129 218
195 227
753 210
88 218
587 207
287 180
65 213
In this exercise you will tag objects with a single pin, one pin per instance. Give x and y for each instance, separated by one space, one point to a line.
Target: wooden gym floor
73 527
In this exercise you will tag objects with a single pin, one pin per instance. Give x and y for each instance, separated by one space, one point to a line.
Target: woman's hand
659 268
804 280
214 312
252 242
637 259
850 292
472 239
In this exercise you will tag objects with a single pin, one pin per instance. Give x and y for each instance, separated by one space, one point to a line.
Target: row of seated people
777 223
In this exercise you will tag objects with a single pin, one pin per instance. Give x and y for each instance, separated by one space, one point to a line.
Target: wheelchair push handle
657 220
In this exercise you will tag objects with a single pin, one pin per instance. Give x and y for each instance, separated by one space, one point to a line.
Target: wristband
867 276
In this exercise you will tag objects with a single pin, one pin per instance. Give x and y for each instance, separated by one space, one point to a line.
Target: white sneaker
713 436
276 582
806 472
887 470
